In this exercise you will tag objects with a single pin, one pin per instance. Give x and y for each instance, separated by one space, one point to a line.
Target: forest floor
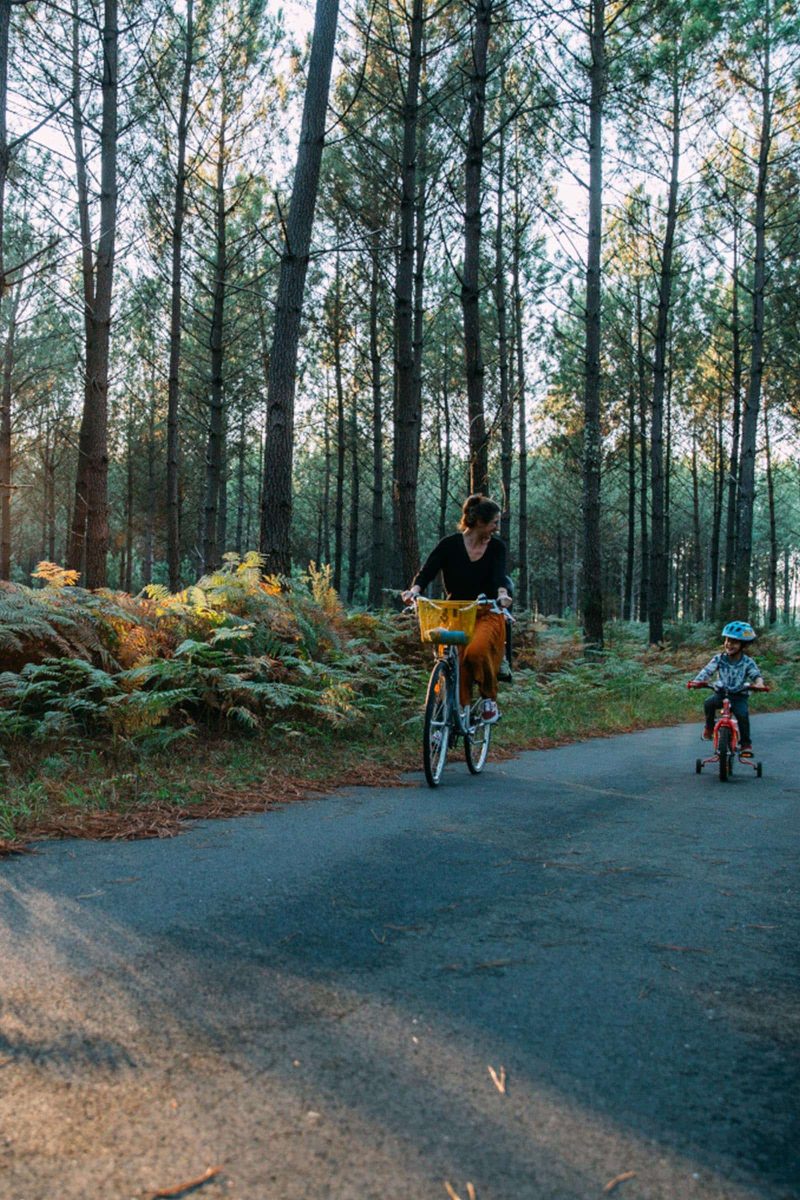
92 789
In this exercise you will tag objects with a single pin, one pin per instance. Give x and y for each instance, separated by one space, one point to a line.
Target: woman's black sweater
462 578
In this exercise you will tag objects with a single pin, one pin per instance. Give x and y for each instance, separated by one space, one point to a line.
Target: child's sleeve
752 673
707 671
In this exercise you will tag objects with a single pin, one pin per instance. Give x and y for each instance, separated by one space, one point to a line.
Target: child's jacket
732 675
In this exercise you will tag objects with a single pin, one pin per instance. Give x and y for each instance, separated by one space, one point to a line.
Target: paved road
310 1000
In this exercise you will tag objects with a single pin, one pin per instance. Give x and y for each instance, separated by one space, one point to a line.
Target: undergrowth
110 702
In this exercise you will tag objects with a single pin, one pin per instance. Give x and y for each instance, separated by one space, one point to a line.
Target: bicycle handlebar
719 687
484 601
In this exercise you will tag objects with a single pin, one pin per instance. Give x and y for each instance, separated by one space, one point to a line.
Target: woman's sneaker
490 712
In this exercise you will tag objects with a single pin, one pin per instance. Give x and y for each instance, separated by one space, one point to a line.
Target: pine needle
612 1183
498 1079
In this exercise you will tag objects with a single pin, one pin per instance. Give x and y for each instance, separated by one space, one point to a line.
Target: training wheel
698 766
759 770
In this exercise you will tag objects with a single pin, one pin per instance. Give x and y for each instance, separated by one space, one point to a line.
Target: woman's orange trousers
480 660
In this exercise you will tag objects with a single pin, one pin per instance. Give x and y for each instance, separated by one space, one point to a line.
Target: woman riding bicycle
473 563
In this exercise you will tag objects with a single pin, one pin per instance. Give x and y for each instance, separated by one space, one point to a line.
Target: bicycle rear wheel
436 733
724 750
476 745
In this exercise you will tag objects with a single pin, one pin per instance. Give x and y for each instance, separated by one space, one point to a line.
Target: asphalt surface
310 1000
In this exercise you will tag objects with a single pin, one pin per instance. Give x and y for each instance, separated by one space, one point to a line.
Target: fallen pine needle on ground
612 1183
453 1194
498 1079
188 1186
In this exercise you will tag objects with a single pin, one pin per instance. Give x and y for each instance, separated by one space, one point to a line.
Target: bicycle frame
445 720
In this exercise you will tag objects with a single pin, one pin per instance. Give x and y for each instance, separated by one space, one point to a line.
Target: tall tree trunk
150 516
408 417
377 547
444 443
6 396
90 514
355 489
222 506
506 403
241 454
326 485
341 440
176 306
5 154
216 432
696 579
276 509
630 546
126 575
471 283
523 590
76 546
736 426
772 585
719 492
658 547
744 521
592 583
644 511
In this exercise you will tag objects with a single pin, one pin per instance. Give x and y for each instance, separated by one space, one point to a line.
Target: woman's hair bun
477 507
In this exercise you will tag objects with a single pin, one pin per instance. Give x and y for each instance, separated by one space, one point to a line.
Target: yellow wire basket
436 616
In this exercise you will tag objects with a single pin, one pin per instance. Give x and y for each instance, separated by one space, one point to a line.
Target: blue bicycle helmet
740 631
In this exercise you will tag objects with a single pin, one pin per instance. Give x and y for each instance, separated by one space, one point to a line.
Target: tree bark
591 582
5 154
719 492
408 417
736 426
341 443
6 399
276 509
630 546
505 398
644 511
176 306
744 522
772 583
216 421
377 548
470 284
658 547
523 589
355 490
90 513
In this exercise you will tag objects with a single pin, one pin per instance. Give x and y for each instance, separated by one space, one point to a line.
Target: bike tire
476 746
724 750
436 730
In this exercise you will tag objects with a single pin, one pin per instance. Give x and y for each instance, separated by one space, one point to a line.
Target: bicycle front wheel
476 745
436 734
724 751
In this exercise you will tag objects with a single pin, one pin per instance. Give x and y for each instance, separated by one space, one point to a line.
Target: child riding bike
736 671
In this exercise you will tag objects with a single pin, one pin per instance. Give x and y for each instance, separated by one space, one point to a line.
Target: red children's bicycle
726 733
